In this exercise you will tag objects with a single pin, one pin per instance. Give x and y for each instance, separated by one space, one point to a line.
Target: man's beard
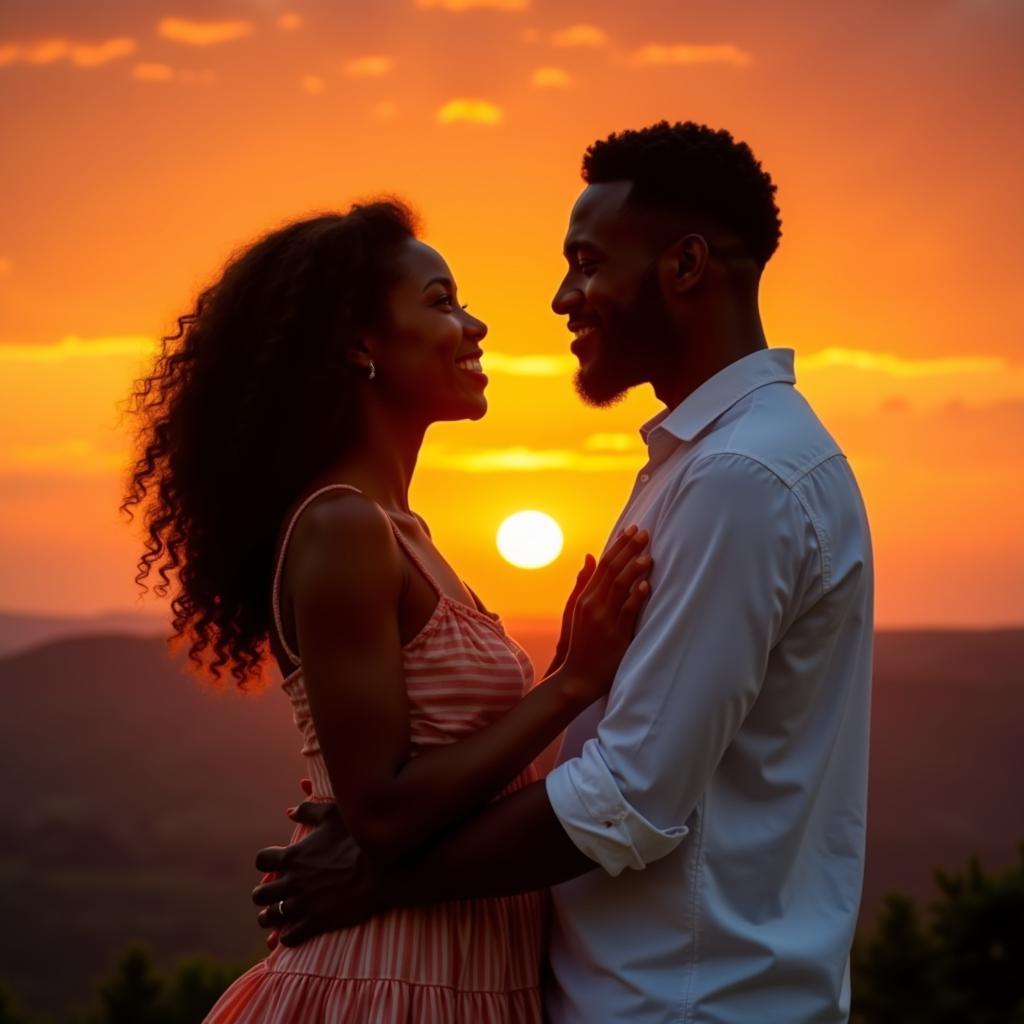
625 340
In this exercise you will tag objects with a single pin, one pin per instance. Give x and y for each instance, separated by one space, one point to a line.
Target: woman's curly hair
249 401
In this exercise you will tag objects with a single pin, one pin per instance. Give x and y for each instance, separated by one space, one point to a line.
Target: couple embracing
696 854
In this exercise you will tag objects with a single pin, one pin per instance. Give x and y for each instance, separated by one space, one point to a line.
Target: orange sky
143 142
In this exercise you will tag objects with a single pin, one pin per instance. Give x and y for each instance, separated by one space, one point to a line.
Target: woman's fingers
616 547
633 604
628 575
617 561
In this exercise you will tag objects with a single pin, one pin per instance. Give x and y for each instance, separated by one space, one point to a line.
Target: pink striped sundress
463 962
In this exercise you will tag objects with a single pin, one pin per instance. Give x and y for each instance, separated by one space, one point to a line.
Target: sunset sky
143 142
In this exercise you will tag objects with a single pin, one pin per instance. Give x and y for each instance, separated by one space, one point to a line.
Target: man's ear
683 263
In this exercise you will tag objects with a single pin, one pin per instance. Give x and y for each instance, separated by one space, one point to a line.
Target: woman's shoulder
342 534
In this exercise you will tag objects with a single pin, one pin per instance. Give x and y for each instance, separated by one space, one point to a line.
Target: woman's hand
562 647
603 616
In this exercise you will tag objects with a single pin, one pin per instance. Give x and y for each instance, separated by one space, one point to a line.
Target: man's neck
712 347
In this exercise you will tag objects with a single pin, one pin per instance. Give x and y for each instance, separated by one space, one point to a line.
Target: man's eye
586 266
445 300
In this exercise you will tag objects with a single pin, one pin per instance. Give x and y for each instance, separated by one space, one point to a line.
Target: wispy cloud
657 54
612 443
203 33
289 21
313 84
458 6
52 51
579 36
74 456
524 460
371 66
897 366
551 78
73 347
529 366
165 73
473 111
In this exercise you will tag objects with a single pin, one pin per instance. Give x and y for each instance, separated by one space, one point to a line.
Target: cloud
313 84
73 347
82 55
458 6
76 456
612 443
289 21
165 73
579 35
525 460
529 366
897 366
153 72
374 66
659 55
203 33
551 78
475 111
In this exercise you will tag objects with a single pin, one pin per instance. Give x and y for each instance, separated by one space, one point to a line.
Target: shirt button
644 477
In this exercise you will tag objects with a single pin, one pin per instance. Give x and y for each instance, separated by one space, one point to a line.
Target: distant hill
135 798
19 631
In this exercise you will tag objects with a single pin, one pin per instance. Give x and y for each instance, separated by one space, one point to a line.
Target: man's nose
566 299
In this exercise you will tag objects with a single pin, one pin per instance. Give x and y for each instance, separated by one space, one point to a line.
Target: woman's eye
586 267
445 300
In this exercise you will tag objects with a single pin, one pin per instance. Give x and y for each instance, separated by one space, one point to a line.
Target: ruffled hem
262 996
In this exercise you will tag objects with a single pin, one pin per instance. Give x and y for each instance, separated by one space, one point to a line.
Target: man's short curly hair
693 169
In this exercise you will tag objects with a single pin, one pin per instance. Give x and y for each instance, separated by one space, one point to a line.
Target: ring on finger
280 909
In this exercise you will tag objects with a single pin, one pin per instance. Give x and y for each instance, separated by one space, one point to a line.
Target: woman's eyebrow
439 280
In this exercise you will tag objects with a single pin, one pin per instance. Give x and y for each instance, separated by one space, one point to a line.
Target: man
704 830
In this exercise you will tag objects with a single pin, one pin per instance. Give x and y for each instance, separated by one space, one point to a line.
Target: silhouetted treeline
960 961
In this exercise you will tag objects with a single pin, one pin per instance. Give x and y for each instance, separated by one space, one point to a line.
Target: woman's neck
383 460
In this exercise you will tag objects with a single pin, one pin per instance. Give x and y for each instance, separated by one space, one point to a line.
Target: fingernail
630 530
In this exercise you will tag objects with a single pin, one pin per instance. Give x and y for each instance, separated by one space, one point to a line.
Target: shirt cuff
587 801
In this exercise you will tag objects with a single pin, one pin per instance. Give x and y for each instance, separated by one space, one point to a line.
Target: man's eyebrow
573 246
439 280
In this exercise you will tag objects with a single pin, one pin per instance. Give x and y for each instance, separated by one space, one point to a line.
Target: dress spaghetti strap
402 543
275 597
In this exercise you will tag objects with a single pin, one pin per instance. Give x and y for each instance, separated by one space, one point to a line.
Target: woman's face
428 356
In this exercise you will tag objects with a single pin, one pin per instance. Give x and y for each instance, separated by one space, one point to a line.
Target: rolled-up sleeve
735 554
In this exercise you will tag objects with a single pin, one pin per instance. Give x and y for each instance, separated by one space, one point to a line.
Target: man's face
611 294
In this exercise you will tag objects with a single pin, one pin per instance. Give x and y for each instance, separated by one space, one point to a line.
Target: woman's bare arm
346 578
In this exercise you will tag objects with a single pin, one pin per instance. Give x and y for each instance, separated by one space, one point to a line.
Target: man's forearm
514 845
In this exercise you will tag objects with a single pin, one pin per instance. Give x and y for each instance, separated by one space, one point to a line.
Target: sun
530 540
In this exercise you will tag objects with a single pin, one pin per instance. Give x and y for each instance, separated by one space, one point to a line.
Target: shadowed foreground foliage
136 993
961 962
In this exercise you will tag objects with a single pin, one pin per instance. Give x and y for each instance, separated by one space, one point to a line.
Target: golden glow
529 540
896 281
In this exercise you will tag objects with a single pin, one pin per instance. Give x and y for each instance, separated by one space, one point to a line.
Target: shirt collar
702 407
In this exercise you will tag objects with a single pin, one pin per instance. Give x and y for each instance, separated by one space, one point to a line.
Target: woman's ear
359 355
683 263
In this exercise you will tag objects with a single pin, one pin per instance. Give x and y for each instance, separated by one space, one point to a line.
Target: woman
312 369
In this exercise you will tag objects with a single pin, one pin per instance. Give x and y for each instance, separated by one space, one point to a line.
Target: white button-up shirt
722 786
